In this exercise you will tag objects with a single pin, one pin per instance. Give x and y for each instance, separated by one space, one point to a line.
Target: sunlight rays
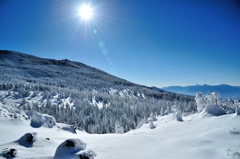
86 24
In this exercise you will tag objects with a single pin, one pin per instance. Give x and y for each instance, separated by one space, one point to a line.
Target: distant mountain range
224 90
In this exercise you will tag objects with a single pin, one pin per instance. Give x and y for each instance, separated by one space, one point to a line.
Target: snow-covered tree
118 128
123 109
212 98
178 113
151 124
200 100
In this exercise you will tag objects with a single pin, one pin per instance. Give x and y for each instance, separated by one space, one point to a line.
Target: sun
85 12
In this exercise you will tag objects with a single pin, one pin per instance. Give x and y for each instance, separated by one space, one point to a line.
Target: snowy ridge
63 73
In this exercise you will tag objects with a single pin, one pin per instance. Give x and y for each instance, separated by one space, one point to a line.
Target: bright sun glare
85 12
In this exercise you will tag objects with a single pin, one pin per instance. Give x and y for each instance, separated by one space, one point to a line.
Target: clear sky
149 42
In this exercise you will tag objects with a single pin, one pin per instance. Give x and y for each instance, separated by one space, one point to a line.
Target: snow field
199 136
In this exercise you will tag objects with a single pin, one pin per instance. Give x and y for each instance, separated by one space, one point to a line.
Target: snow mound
214 110
234 155
235 132
69 128
9 153
27 140
230 111
69 148
50 121
38 119
87 155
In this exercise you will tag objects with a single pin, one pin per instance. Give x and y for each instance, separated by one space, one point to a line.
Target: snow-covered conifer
151 124
178 113
201 103
119 128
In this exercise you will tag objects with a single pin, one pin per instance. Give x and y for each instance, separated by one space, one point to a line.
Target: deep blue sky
149 42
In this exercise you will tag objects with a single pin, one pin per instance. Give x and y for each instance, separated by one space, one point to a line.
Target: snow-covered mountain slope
80 95
224 89
20 68
198 136
62 73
